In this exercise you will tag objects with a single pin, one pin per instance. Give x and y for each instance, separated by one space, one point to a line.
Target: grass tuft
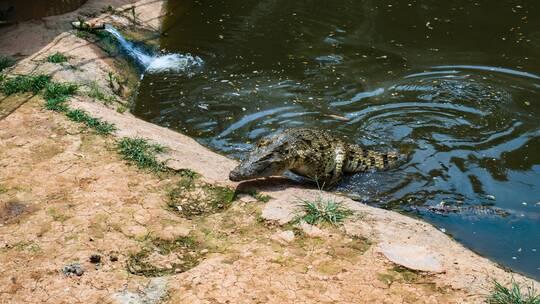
101 127
57 58
96 92
512 295
139 151
25 84
56 90
190 174
323 211
55 95
5 62
56 104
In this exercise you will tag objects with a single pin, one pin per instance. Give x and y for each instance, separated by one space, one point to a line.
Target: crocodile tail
361 159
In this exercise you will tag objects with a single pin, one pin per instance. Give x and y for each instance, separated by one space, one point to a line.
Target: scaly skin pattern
313 154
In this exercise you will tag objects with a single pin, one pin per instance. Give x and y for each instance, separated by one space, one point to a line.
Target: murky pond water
454 85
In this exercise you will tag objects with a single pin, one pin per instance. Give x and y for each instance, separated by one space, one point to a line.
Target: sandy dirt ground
80 225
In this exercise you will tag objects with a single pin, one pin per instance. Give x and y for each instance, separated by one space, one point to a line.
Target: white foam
174 63
157 63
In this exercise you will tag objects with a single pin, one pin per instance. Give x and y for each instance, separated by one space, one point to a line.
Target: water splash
152 63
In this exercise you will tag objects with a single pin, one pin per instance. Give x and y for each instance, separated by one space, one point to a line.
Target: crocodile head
270 157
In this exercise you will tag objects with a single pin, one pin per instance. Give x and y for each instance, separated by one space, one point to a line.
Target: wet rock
412 257
283 237
95 259
73 269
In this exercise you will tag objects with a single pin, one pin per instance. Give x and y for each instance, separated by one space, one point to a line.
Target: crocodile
446 209
313 154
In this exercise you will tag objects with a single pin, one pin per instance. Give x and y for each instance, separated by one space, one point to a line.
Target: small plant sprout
5 62
513 294
24 84
111 78
56 94
96 92
323 211
55 90
101 127
139 151
57 58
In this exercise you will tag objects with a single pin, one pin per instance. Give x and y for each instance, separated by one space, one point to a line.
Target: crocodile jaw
247 171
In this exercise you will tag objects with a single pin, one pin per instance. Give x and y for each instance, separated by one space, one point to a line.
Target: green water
453 85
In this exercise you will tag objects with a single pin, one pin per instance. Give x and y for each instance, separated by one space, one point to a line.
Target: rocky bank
67 196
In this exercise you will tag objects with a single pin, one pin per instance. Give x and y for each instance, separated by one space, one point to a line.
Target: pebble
310 230
283 237
73 269
95 259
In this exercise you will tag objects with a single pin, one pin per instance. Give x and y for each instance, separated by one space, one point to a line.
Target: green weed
139 151
57 58
101 127
26 246
56 90
55 95
121 109
56 104
326 211
512 295
5 62
187 173
57 215
82 34
97 93
25 84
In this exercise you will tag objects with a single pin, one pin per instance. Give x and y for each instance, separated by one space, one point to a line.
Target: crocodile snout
235 176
